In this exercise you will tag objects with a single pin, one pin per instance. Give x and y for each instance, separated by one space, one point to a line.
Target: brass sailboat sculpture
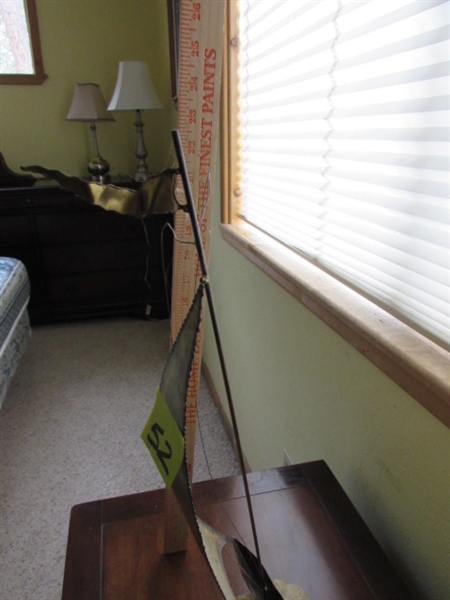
164 436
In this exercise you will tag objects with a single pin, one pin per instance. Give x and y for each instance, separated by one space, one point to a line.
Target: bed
14 322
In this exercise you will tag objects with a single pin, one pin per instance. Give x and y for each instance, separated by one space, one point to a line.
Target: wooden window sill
36 79
416 364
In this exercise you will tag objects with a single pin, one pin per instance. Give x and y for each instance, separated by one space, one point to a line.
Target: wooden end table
309 534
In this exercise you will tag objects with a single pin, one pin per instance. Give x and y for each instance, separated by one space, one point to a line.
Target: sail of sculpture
163 435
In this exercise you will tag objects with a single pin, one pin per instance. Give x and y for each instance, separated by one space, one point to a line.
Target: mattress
14 323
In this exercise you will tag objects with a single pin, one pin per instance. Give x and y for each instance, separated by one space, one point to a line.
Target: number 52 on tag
164 440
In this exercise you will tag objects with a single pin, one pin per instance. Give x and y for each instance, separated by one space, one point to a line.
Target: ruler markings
201 28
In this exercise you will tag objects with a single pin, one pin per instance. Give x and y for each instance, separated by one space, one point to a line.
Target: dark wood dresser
82 260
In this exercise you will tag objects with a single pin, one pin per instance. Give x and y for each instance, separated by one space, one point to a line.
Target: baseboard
222 414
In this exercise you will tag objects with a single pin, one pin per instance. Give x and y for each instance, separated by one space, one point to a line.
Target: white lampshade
134 88
88 104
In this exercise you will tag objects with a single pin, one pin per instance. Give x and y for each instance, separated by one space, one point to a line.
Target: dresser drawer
94 257
119 285
15 231
92 224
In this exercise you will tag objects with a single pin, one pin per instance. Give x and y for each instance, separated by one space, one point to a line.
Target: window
338 139
20 51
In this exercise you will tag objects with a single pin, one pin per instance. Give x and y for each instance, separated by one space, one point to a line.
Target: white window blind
345 143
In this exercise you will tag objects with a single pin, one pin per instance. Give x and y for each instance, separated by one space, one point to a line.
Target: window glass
20 53
15 44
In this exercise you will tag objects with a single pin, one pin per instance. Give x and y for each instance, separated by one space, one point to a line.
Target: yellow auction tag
164 440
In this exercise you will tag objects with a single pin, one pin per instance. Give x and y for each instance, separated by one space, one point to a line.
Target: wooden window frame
418 365
39 76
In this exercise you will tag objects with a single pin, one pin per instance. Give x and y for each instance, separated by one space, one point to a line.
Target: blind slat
345 143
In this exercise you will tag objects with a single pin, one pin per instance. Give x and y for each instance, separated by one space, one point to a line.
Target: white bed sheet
14 322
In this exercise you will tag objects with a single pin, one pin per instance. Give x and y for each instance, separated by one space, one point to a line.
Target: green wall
83 41
298 386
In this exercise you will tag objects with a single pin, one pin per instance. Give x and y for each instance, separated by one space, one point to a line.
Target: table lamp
134 91
89 105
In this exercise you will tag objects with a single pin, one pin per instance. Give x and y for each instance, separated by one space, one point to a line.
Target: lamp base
98 169
142 174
